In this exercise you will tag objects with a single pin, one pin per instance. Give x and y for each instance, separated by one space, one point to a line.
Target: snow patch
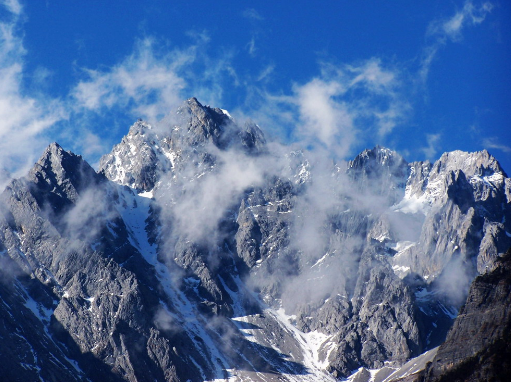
147 194
321 260
39 310
400 269
226 113
134 212
401 246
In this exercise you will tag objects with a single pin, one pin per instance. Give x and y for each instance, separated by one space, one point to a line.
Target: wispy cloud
255 18
251 46
155 78
198 205
334 109
251 13
266 73
13 6
146 83
492 143
323 116
431 149
450 29
24 117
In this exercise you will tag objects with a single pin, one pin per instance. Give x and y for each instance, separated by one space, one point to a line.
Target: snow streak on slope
134 210
390 373
274 329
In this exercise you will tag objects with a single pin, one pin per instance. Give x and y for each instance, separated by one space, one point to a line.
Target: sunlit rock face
201 251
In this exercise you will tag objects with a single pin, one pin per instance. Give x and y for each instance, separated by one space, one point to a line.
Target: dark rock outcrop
478 346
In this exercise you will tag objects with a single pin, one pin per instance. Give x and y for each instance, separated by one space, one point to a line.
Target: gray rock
477 347
132 295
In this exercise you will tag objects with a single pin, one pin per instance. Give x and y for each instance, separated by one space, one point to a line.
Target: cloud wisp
450 29
24 117
335 109
493 144
198 201
432 148
146 83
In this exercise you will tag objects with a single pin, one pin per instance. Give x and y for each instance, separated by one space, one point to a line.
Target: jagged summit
190 135
198 253
382 155
378 161
63 172
480 163
382 170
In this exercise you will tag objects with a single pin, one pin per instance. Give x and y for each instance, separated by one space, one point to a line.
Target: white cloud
251 46
324 117
432 148
13 6
372 75
440 31
251 13
336 108
265 73
154 79
25 118
492 144
467 16
199 202
146 83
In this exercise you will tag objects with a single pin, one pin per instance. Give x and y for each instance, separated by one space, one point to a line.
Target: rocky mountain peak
141 128
187 137
203 124
483 327
210 278
381 170
479 163
378 159
63 172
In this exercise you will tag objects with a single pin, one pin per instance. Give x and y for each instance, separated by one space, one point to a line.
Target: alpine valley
203 251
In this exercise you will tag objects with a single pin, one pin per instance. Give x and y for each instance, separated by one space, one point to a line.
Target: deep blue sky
421 77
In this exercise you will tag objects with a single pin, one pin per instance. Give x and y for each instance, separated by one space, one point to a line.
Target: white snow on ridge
390 372
226 113
490 180
308 343
401 246
134 215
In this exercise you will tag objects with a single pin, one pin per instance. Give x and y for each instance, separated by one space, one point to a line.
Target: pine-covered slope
201 252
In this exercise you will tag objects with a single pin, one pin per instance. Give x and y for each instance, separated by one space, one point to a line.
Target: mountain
200 251
483 326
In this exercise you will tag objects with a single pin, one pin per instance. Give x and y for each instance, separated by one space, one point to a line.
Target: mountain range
201 250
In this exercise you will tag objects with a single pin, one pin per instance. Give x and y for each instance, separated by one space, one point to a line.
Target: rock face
478 346
199 252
